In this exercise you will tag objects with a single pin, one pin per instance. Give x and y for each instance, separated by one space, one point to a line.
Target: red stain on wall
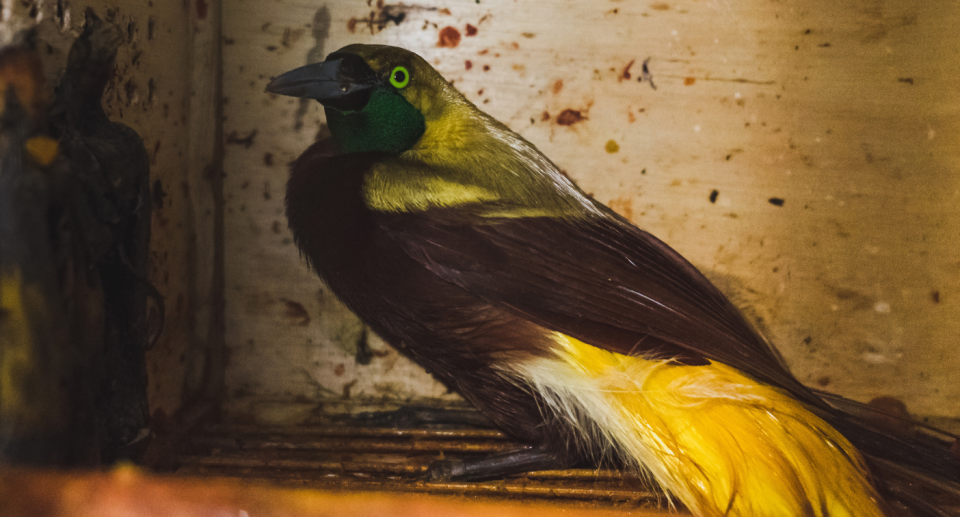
449 37
625 75
569 117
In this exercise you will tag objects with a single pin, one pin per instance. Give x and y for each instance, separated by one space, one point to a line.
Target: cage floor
393 460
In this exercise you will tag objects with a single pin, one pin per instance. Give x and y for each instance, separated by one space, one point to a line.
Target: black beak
343 82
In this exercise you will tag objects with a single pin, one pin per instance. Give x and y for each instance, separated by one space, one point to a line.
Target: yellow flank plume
16 344
720 442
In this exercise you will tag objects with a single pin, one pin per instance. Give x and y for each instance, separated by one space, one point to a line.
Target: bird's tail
716 440
912 464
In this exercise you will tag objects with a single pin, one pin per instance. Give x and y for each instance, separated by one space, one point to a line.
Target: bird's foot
412 416
497 465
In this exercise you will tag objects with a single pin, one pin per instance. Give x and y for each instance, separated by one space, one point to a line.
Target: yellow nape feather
417 191
720 442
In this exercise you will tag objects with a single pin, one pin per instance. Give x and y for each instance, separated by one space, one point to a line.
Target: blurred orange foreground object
129 492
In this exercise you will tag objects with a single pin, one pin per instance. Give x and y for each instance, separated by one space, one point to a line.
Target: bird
74 254
576 332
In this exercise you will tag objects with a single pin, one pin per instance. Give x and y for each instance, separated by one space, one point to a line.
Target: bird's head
376 98
446 151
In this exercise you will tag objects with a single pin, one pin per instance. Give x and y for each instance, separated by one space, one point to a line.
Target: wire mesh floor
390 459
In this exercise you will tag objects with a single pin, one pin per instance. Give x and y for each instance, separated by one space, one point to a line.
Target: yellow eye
399 78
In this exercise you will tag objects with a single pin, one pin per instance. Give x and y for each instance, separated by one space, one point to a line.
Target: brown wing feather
601 280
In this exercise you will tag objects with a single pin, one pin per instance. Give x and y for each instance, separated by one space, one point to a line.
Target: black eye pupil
399 76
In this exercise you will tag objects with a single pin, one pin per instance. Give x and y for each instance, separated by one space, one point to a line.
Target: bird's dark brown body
403 302
457 333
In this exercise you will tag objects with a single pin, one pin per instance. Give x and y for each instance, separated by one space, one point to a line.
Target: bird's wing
600 280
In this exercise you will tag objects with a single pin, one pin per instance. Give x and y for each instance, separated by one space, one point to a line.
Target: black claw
446 470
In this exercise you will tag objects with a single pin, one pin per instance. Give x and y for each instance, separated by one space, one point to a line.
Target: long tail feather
911 463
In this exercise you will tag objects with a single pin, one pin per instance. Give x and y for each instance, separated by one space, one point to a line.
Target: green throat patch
388 123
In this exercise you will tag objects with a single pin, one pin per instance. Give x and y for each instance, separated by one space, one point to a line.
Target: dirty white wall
805 153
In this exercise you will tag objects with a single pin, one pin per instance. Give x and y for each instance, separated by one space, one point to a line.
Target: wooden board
126 492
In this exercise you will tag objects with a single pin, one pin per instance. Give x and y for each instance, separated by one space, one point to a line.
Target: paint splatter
378 20
622 206
569 117
626 70
234 138
158 193
295 312
557 86
449 37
